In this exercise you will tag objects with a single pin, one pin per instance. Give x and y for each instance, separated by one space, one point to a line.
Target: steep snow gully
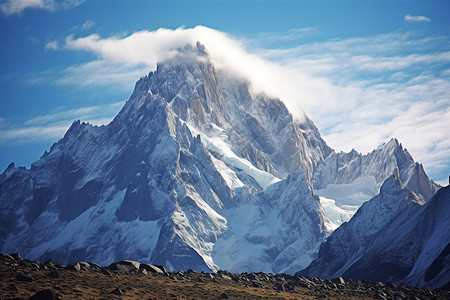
196 171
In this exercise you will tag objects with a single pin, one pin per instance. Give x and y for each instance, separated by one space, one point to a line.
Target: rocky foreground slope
25 279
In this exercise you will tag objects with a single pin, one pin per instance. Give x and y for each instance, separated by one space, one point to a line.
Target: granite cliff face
194 172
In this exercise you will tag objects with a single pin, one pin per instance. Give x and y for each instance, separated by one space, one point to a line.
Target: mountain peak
192 173
187 55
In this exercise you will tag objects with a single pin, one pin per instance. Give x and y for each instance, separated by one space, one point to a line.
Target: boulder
95 266
162 269
84 265
118 292
52 263
143 271
16 256
125 266
75 267
7 256
151 268
339 280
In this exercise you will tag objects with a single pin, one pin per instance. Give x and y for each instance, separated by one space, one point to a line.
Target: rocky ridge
26 279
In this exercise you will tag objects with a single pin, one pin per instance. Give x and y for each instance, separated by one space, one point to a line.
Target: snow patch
216 140
334 214
341 201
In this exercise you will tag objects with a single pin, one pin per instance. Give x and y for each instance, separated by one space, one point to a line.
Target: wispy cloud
96 74
395 88
409 18
359 91
52 45
51 127
87 25
11 7
293 34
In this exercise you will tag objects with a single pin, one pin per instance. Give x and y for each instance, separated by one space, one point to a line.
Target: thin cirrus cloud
52 126
413 19
359 91
11 7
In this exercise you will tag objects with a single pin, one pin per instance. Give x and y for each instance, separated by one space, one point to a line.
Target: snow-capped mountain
166 179
346 180
393 237
196 171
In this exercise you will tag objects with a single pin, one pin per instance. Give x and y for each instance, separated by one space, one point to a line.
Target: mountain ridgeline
195 171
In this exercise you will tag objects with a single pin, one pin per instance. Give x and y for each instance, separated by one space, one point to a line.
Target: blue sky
363 71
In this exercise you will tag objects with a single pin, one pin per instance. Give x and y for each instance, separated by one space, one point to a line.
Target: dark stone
75 267
24 277
280 287
44 295
84 265
16 256
118 292
339 280
52 263
143 271
224 295
8 257
151 268
125 266
95 266
54 274
161 268
106 271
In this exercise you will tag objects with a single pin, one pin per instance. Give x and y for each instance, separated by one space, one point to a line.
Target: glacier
195 172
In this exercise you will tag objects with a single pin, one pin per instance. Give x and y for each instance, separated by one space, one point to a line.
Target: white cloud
149 47
52 45
10 7
409 18
359 91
